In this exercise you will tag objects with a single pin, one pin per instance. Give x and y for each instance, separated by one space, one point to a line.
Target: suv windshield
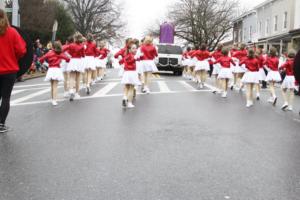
169 49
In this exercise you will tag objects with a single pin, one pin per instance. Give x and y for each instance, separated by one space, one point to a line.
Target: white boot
285 106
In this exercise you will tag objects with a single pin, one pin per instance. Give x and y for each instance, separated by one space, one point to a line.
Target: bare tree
100 17
203 21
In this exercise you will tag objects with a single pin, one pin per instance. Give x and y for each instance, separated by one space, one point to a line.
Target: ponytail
4 23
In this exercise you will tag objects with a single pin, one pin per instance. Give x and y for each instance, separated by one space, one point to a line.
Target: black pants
7 82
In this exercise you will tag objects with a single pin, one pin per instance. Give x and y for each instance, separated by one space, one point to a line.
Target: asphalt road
177 144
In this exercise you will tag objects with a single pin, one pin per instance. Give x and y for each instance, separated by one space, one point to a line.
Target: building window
276 23
260 27
240 35
245 36
285 16
267 26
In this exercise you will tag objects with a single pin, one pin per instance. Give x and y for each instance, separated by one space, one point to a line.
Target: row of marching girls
137 65
78 58
247 68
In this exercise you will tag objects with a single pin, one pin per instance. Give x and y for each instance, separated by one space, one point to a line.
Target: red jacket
54 59
217 54
76 50
12 48
91 49
261 61
288 66
149 52
129 62
225 61
240 54
103 53
252 64
201 55
272 63
121 53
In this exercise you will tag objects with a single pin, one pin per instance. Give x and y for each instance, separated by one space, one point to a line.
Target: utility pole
15 13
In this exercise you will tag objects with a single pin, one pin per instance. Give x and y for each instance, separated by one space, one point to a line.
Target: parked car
169 58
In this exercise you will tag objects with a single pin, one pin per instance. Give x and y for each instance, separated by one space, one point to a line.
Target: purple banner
166 33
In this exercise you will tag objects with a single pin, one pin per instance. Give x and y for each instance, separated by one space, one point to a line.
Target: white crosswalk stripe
106 89
163 87
36 94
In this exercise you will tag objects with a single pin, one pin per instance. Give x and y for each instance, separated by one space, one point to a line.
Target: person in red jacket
64 67
130 76
261 72
217 67
273 76
225 73
121 54
202 64
12 48
251 77
103 54
240 70
76 65
54 74
186 62
148 53
90 61
288 85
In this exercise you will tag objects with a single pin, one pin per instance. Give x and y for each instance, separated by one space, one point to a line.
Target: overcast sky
140 14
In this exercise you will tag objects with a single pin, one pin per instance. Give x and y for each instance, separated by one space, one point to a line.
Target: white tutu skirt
187 62
239 69
288 82
225 73
102 63
76 65
90 63
217 69
149 66
202 65
64 66
55 74
130 77
262 74
273 76
251 77
139 67
192 62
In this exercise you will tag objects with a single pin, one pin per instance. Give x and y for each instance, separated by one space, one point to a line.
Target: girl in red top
76 65
12 48
273 76
90 61
64 67
225 73
148 53
54 74
186 62
130 76
288 84
251 77
103 53
192 63
239 70
261 73
202 64
217 67
121 54
233 50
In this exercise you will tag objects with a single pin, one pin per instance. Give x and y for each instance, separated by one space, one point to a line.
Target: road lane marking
14 92
187 86
163 87
30 96
106 89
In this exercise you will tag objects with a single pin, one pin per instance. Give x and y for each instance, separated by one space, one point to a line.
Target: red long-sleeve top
252 64
225 61
272 63
12 49
103 53
185 54
91 49
121 53
149 52
240 54
217 54
76 50
129 62
261 61
288 66
201 55
54 59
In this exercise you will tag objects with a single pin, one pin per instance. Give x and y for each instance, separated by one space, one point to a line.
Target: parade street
179 143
